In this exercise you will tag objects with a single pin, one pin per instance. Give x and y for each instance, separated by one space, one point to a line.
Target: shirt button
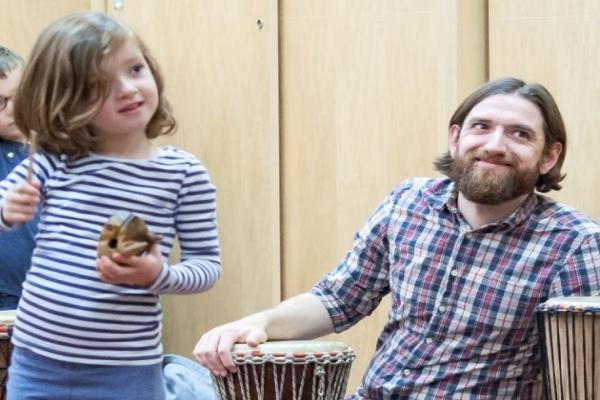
406 372
442 309
429 340
454 272
10 154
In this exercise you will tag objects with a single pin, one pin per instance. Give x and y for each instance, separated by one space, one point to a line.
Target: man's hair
9 60
63 85
554 127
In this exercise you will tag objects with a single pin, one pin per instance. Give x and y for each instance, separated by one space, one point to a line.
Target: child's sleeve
196 225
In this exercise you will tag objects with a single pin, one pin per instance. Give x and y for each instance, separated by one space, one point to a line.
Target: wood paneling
557 43
367 89
221 77
22 21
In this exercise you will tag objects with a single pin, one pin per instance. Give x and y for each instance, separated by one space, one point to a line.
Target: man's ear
453 136
550 157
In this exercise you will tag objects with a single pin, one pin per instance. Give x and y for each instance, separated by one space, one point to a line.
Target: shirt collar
443 195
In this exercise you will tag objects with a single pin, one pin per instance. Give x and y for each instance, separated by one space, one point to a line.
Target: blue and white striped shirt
461 323
66 312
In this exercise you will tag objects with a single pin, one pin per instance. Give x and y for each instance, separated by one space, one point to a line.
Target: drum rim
571 303
292 346
294 352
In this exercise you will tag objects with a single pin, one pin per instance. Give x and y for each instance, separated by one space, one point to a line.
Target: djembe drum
569 329
7 320
287 370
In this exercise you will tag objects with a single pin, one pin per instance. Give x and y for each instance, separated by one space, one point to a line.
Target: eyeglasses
4 102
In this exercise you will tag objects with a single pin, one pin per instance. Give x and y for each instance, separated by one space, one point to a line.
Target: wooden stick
32 151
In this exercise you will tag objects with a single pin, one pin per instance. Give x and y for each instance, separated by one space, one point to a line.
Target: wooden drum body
288 370
7 320
569 329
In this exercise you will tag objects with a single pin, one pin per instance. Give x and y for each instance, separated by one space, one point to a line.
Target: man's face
8 86
499 151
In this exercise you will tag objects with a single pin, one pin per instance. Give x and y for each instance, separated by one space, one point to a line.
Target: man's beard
491 187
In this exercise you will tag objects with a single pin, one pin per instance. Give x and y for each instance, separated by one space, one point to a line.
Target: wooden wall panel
221 77
557 43
22 21
367 89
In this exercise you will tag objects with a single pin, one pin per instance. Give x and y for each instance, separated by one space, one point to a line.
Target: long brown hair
554 126
63 85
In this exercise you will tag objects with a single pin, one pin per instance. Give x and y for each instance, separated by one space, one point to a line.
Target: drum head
7 320
572 303
8 316
291 346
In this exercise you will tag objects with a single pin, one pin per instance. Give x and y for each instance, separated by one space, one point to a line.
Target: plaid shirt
461 323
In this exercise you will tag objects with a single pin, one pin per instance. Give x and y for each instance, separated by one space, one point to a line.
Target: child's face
132 98
8 86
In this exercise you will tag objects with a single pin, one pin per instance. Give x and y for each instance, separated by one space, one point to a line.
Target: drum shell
5 352
265 374
570 349
7 321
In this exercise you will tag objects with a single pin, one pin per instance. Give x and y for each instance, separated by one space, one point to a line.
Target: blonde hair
63 85
9 61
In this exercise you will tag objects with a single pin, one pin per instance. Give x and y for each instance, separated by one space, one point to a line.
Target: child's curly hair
63 85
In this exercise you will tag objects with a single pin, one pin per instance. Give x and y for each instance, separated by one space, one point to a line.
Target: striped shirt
66 312
461 323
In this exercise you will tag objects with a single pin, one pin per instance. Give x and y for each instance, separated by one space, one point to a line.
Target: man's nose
496 140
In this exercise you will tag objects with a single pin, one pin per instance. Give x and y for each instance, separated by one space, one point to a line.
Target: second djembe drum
569 329
7 320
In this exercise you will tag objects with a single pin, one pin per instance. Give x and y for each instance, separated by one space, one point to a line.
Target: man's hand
213 350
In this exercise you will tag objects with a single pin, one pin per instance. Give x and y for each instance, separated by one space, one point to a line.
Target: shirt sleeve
356 286
580 275
196 224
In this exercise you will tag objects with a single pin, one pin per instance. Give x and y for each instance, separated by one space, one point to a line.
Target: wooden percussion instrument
569 330
288 370
7 320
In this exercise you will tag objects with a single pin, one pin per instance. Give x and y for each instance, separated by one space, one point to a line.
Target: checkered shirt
461 323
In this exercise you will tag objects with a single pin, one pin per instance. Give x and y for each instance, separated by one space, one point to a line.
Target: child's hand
135 270
20 203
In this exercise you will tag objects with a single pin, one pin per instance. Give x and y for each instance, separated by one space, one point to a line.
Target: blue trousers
32 376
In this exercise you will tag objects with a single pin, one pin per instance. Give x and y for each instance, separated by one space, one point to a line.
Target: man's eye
522 134
478 125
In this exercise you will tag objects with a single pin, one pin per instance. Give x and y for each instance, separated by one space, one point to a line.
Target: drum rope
328 372
260 386
278 387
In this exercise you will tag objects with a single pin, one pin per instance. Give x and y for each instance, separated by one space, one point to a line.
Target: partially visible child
90 328
17 245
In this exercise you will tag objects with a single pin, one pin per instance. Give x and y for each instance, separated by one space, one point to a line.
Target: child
17 245
90 328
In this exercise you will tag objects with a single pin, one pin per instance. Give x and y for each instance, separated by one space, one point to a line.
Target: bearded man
466 260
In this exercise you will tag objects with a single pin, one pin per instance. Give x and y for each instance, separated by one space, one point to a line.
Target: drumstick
32 151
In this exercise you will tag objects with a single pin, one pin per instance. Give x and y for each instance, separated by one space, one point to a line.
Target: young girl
15 247
90 328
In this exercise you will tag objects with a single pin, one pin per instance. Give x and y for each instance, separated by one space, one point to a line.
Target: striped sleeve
196 227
